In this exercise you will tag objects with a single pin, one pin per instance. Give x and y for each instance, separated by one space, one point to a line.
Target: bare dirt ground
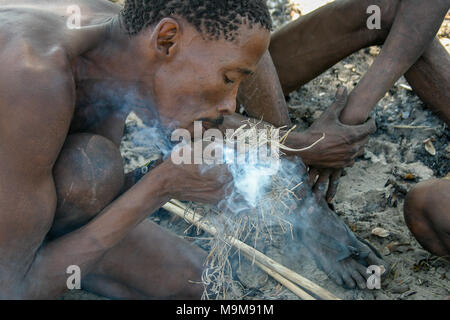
371 194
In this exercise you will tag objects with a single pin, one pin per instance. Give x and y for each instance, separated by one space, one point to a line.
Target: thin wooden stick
178 208
285 282
283 147
182 211
412 127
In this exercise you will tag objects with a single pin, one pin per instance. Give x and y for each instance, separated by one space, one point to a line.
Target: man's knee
413 209
426 204
425 213
88 176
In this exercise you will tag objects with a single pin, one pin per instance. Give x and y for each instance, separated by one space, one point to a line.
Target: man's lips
207 126
212 123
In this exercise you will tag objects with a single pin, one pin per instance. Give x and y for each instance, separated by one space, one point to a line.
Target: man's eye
227 80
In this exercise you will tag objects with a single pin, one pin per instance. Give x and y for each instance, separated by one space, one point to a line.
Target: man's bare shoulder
37 82
25 58
37 94
44 24
29 35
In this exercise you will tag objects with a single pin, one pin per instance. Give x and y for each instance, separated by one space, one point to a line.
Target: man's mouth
212 123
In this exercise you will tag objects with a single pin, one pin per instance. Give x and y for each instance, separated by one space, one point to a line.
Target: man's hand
342 143
324 182
205 183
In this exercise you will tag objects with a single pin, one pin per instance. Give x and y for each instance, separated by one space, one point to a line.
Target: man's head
213 18
200 51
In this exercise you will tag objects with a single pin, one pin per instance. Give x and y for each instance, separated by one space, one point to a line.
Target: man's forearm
84 247
415 26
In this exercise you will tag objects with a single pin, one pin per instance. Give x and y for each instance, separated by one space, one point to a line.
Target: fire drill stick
284 273
285 282
188 215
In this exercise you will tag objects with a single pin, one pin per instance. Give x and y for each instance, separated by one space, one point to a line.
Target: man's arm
262 96
335 144
263 99
414 28
36 105
84 247
398 55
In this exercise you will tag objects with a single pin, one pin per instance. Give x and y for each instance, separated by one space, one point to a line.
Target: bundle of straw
283 275
231 226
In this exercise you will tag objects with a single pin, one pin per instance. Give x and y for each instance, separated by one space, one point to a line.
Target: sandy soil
371 194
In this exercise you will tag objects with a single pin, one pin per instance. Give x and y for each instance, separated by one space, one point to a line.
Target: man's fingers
333 185
359 153
362 271
340 101
372 259
336 278
348 280
313 173
360 132
320 188
357 277
367 128
358 149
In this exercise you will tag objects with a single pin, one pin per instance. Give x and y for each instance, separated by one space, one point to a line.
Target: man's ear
165 37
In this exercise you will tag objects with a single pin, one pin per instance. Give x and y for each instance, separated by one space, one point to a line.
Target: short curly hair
212 18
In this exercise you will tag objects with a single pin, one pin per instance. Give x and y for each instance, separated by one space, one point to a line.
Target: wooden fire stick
285 282
281 272
180 210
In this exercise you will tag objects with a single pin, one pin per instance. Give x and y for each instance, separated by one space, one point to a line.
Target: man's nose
228 107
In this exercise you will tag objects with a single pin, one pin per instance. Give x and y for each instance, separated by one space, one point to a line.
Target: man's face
201 80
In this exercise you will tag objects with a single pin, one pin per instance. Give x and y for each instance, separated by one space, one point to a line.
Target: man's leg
430 79
307 47
150 262
428 217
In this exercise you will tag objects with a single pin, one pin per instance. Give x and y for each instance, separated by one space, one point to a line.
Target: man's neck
114 57
114 68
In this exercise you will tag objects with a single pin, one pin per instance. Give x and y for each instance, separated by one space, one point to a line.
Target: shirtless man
64 199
